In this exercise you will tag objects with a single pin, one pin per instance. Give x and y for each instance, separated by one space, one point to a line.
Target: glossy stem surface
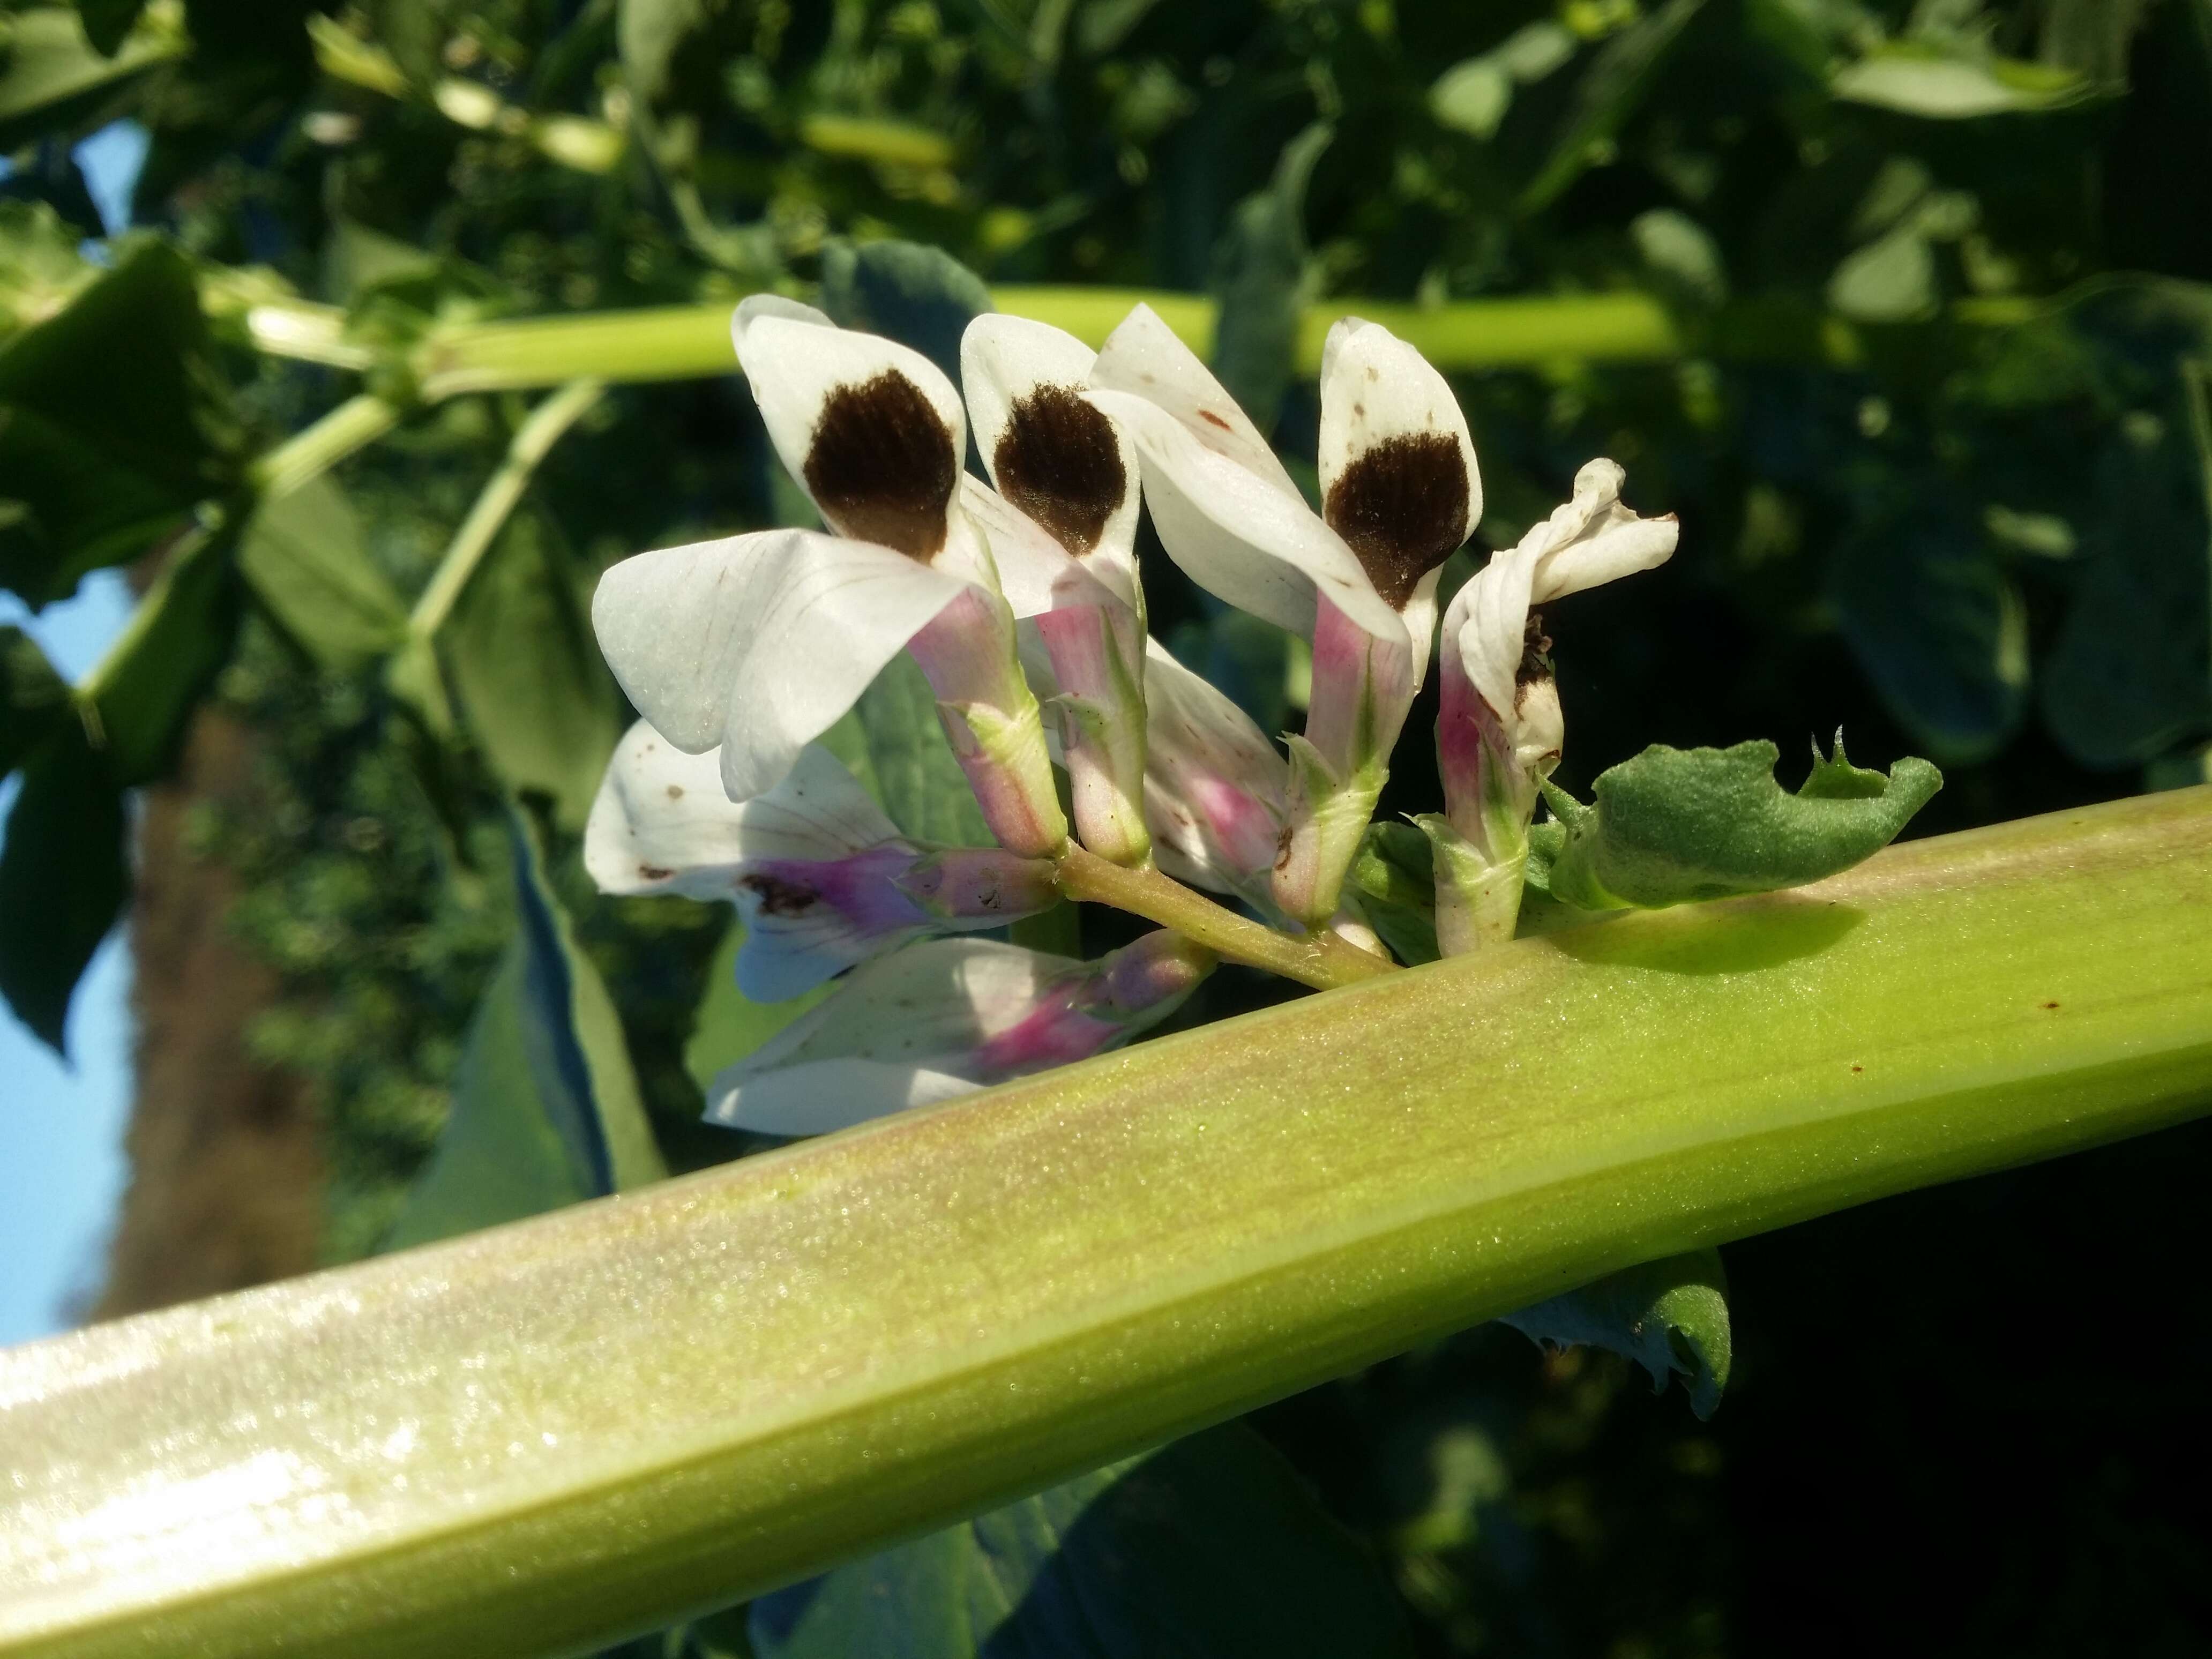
532 1440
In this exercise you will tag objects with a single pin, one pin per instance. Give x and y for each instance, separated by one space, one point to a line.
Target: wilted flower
823 879
943 1017
1399 491
759 642
1064 524
1499 729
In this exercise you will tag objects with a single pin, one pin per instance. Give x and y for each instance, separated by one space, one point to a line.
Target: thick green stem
536 1439
1322 960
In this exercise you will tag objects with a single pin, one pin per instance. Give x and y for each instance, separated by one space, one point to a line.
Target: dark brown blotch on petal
882 465
779 897
1402 506
1535 651
1059 462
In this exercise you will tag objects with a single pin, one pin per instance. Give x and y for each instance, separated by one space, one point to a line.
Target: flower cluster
1020 601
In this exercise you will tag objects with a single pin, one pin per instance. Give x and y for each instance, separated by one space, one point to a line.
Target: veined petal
1215 788
1595 538
1059 460
1144 358
1035 572
759 643
1399 480
871 429
1238 536
754 306
661 823
920 1013
816 1096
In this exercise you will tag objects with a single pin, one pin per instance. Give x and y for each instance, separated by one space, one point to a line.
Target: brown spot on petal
653 872
1058 461
675 791
881 464
779 897
1402 506
1208 414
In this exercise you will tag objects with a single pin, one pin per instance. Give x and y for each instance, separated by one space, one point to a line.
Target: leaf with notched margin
1678 825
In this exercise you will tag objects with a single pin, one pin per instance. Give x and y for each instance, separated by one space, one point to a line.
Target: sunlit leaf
1924 80
1677 824
177 639
1671 1317
52 76
546 1108
1209 1548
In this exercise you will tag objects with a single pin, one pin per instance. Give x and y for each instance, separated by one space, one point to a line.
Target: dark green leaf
909 766
2092 37
1608 94
1395 876
113 425
107 21
546 1108
920 296
1262 282
648 32
533 690
305 558
178 639
52 78
1939 627
1667 1316
34 700
1246 658
1678 825
2132 671
1207 1549
62 879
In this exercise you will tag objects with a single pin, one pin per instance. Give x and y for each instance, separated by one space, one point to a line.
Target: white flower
1499 728
1216 791
1063 523
759 643
941 1018
1400 489
823 878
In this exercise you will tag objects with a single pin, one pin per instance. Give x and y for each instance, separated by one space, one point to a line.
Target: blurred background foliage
1898 305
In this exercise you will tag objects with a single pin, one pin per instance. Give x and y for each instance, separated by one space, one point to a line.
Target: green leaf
1946 83
1668 1317
727 1027
1473 96
910 764
546 1108
648 33
1261 279
1677 824
304 557
920 296
113 425
1607 94
533 690
63 877
53 79
2131 674
1891 279
1939 625
1208 1547
34 699
176 641
41 269
1395 876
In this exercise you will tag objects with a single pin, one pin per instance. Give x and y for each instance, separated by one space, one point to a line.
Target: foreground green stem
355 424
1322 960
536 1439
